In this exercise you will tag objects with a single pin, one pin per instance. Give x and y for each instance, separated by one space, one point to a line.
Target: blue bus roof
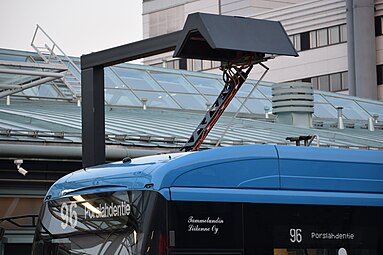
254 173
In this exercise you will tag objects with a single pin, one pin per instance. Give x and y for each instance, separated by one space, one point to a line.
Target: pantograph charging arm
233 76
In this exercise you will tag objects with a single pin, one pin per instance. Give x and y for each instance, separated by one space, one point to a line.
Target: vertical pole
340 117
93 116
350 48
365 49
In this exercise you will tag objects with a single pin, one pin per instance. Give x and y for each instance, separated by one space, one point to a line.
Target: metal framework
238 42
33 74
92 80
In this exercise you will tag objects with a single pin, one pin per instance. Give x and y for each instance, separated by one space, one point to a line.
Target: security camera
21 170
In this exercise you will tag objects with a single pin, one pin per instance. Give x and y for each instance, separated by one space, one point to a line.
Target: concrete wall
296 16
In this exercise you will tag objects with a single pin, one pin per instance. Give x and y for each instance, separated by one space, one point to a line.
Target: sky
77 26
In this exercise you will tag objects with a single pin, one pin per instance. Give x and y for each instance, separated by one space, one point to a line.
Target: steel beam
93 116
132 51
30 72
14 90
61 67
92 89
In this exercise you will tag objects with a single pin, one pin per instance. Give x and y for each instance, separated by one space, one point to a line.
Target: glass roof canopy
137 85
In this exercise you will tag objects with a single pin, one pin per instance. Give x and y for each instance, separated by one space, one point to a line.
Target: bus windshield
101 223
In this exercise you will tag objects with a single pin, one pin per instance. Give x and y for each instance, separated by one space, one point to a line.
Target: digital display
312 230
326 251
324 236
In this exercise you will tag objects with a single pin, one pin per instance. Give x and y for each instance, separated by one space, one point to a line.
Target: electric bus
253 200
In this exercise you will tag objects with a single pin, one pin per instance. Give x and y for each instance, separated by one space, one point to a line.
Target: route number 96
295 235
69 215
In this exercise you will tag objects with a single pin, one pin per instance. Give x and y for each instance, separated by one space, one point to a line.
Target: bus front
102 223
104 210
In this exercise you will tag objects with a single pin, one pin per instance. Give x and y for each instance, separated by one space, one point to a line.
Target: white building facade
340 42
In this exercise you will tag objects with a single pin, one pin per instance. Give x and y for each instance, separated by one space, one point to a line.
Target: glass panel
258 105
137 79
6 78
345 80
232 107
313 39
189 64
121 97
173 82
343 33
112 81
246 88
373 109
158 65
28 92
325 111
324 82
197 65
193 102
206 64
319 99
335 82
206 85
15 206
306 40
157 99
216 64
266 90
44 90
334 35
379 74
314 82
351 110
102 223
381 25
174 64
75 72
297 42
322 37
77 89
13 58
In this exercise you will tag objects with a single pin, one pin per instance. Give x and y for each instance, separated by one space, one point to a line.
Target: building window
322 37
343 33
319 38
296 41
206 64
216 64
201 65
330 82
324 83
344 76
378 26
334 35
335 82
314 81
305 41
313 39
197 65
379 74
